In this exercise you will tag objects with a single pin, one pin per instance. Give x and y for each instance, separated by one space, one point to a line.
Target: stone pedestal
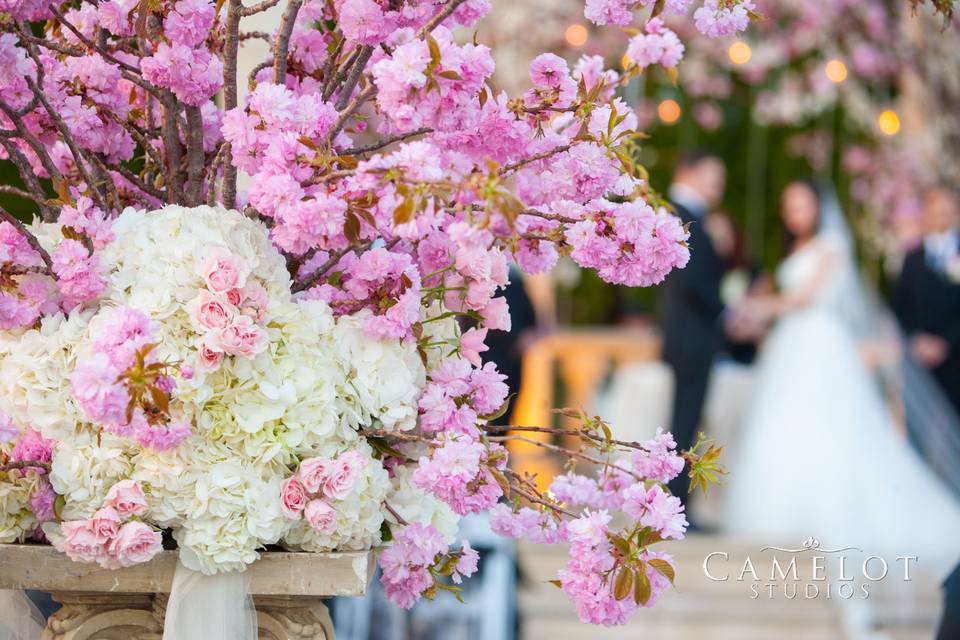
130 604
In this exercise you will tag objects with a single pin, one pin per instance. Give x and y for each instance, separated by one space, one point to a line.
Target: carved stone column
130 604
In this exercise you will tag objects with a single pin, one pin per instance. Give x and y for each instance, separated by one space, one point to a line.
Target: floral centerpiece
299 364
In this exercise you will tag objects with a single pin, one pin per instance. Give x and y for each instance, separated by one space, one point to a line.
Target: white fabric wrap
203 607
19 618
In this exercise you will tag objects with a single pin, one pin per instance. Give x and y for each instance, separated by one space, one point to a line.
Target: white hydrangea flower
35 370
17 521
416 505
83 470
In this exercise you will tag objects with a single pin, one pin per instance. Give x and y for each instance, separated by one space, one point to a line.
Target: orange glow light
836 71
739 52
668 111
576 35
889 122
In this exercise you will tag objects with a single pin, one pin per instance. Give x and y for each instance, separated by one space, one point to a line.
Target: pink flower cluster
411 563
30 446
103 390
193 75
588 576
228 313
658 460
112 538
381 281
458 395
78 273
628 243
716 19
458 472
318 483
657 45
415 90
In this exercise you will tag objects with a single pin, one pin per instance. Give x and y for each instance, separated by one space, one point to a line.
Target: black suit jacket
924 300
690 302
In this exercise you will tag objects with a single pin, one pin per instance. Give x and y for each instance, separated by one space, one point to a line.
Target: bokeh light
576 35
836 71
739 52
668 111
889 122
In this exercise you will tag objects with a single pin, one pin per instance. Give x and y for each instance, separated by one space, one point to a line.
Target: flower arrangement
299 364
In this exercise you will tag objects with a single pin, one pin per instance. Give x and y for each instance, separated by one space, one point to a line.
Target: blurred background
862 95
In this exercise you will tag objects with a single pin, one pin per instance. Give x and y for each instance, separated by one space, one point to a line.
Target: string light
576 35
889 122
668 111
836 71
739 52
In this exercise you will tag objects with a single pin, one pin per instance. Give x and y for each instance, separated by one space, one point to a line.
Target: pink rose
105 523
313 473
293 497
127 498
235 296
343 475
208 311
223 271
135 543
208 357
241 338
321 516
255 299
80 542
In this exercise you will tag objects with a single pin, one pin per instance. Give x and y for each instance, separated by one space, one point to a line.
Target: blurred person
691 303
741 277
820 454
926 298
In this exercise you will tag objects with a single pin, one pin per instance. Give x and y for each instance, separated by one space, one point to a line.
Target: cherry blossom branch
396 515
282 45
354 151
354 76
30 238
351 108
47 213
343 68
194 155
533 497
513 166
20 193
135 180
328 66
435 21
109 57
564 432
566 452
38 147
230 52
174 149
257 8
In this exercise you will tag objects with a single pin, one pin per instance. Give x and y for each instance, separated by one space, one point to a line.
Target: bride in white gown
820 453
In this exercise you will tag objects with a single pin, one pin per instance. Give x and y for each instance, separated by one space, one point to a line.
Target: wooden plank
43 568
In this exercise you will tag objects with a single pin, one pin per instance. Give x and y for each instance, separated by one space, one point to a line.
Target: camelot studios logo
811 571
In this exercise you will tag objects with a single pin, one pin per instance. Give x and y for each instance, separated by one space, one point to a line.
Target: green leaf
386 533
58 504
499 413
622 545
664 568
556 583
623 585
641 589
501 480
450 74
381 446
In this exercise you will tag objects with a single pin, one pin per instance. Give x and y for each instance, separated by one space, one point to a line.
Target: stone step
699 607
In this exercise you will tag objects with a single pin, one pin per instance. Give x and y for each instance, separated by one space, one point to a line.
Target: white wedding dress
820 455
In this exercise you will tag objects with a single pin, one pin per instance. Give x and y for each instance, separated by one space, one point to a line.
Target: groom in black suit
927 295
691 304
